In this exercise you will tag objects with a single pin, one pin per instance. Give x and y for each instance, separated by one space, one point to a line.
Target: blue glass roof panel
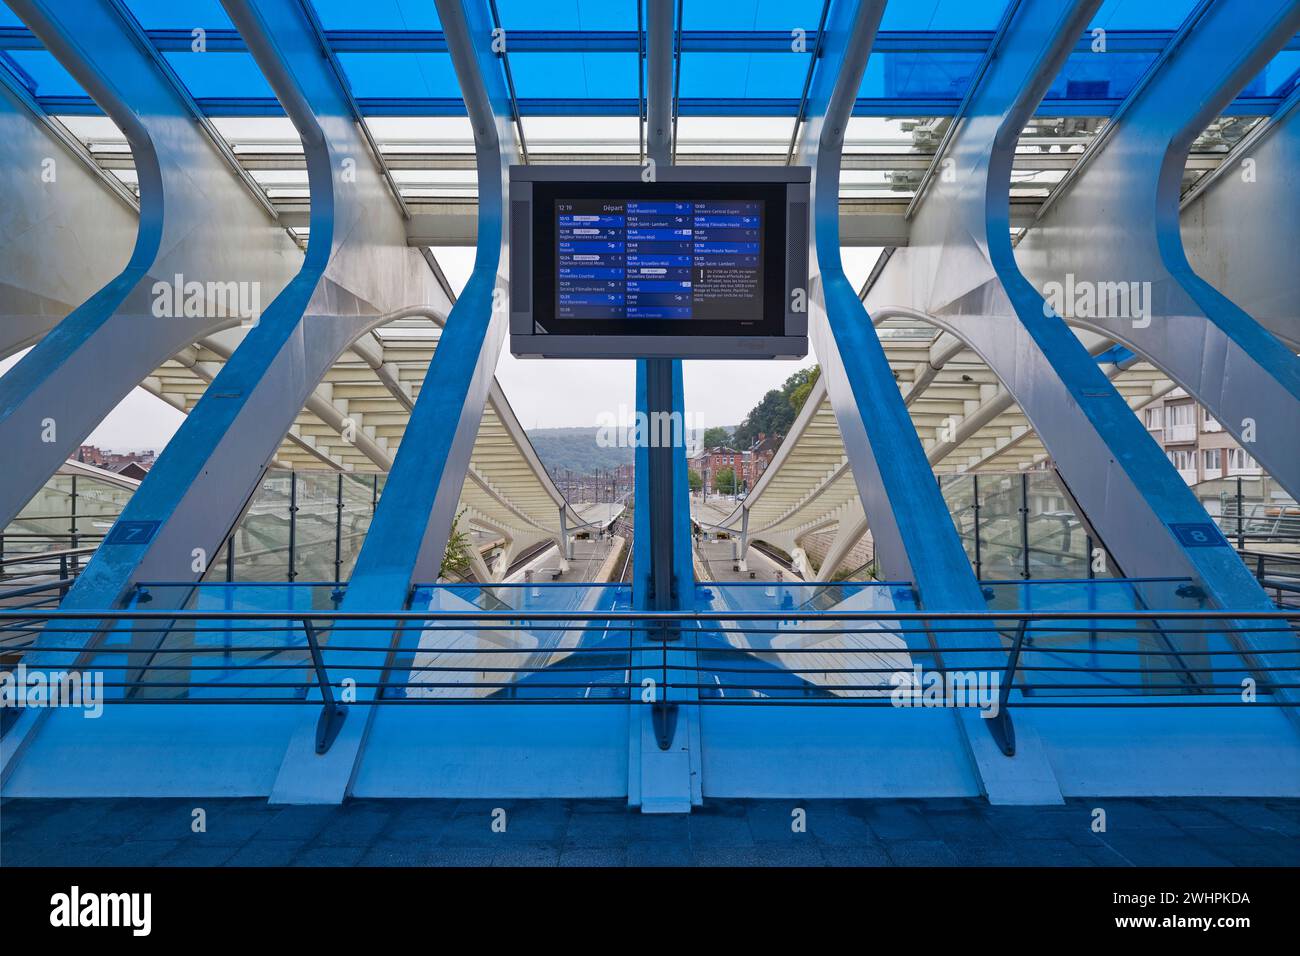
401 75
943 15
8 18
220 75
171 15
919 75
1279 78
565 15
744 15
603 75
1092 76
43 74
377 14
715 75
1142 14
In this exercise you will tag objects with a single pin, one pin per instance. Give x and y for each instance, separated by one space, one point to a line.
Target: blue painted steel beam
196 220
408 535
914 536
961 271
1117 221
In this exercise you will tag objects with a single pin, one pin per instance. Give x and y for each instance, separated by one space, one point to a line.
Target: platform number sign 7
132 532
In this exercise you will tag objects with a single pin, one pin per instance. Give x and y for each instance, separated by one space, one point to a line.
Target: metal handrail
776 675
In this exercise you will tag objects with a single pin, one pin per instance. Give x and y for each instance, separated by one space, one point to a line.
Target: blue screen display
659 259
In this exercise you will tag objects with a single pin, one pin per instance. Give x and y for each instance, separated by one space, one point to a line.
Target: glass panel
377 15
400 75
1090 76
943 15
220 75
918 75
768 75
565 15
806 659
1278 78
576 660
738 15
43 74
1142 14
168 14
1115 656
574 75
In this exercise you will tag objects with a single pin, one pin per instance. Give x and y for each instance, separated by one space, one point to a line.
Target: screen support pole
663 755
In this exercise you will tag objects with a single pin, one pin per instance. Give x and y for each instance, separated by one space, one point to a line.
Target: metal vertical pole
979 560
73 514
1024 525
338 532
230 554
1241 516
293 522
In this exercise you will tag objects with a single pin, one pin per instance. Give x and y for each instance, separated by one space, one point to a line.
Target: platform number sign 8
1199 535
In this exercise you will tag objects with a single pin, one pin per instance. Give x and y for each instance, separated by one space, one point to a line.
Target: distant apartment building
747 466
132 464
1197 445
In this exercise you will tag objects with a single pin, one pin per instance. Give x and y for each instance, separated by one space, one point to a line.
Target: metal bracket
664 717
1001 727
328 726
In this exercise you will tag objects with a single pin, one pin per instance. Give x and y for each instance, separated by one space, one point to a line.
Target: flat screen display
668 259
671 259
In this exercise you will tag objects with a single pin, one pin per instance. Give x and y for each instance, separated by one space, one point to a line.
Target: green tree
775 413
456 559
716 437
803 380
694 480
725 480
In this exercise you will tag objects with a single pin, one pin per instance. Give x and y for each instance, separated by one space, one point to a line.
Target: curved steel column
914 536
408 536
195 221
960 269
357 265
1241 229
356 270
1116 225
57 207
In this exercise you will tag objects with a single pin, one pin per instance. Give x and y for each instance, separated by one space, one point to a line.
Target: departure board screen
659 259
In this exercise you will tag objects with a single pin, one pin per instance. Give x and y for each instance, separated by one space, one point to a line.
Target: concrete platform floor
948 832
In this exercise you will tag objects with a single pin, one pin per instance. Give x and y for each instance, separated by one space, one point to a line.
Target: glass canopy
578 71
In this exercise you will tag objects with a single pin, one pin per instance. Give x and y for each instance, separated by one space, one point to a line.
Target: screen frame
782 332
545 273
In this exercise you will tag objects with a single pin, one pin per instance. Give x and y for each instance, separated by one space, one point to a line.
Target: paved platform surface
954 832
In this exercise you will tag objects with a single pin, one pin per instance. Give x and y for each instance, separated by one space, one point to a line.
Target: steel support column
663 744
961 271
196 222
408 535
355 261
914 536
1113 237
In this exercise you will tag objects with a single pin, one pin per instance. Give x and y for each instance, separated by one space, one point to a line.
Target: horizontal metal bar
1134 702
224 39
580 615
900 107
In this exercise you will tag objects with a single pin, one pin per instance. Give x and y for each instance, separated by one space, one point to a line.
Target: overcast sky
544 393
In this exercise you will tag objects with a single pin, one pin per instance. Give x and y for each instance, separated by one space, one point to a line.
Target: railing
39 579
790 657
